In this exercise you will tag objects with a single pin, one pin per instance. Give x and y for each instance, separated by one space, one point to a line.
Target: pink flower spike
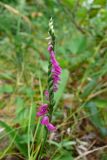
51 127
45 120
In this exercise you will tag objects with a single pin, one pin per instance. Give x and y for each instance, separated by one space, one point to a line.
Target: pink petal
43 107
38 114
53 59
46 93
41 113
51 127
50 48
55 88
45 120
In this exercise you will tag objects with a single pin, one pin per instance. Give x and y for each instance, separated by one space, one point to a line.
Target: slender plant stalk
50 79
50 84
29 130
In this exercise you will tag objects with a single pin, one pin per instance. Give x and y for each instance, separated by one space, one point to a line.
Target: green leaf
89 88
6 89
95 117
68 3
63 83
65 155
104 156
100 2
82 13
101 103
94 114
44 65
78 44
17 141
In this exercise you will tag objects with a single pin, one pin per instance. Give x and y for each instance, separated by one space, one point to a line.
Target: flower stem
43 144
50 85
50 79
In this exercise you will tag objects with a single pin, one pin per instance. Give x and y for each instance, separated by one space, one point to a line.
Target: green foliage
64 156
6 89
96 118
17 139
64 79
81 31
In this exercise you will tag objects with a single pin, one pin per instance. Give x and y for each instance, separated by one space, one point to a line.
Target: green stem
44 142
51 93
29 128
50 86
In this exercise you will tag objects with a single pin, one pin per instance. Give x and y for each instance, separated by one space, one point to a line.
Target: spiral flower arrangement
54 71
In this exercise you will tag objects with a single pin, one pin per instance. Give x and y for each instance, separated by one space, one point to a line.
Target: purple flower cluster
56 69
42 111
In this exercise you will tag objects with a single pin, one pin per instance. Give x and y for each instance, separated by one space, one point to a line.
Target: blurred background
81 49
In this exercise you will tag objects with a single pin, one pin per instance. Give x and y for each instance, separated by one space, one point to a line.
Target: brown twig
89 152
